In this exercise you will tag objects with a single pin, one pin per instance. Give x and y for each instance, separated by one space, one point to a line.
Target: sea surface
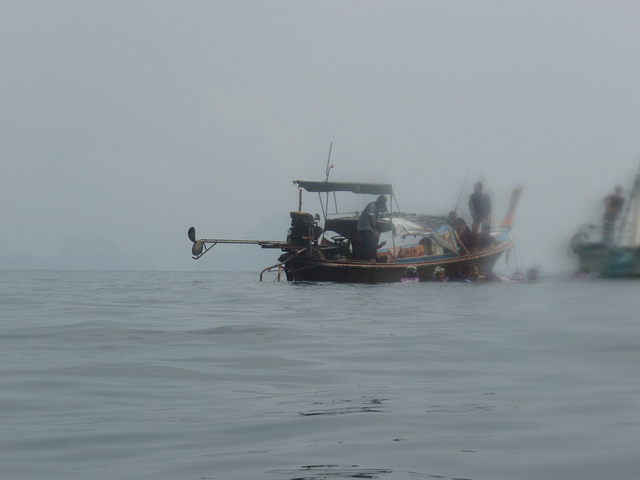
181 375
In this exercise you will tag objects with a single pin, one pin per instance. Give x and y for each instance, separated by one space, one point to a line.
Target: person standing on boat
613 207
367 227
480 207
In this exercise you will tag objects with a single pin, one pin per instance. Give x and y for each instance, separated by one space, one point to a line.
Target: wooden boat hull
301 268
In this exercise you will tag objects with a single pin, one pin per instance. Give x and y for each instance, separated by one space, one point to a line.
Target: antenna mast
327 171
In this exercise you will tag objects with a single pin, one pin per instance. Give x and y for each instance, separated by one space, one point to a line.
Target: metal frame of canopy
359 188
352 187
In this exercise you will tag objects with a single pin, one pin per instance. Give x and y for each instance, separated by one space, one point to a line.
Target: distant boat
621 258
314 253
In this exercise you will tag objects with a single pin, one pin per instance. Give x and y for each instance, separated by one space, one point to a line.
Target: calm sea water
149 375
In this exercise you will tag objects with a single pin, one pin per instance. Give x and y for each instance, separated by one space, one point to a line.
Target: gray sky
124 123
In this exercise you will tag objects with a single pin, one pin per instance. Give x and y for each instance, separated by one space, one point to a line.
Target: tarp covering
346 226
401 227
445 233
442 235
368 188
404 228
427 222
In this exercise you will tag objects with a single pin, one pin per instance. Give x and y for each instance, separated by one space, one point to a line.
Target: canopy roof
354 187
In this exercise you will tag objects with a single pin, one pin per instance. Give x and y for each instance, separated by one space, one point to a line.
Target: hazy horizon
125 123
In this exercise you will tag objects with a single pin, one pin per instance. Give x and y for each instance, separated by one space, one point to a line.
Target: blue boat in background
620 257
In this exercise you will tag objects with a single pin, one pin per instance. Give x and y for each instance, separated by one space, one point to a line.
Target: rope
281 264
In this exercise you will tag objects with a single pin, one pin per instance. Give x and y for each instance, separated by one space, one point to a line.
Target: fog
125 123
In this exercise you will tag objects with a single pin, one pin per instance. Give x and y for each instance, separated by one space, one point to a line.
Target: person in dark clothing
485 240
613 207
461 229
480 207
367 228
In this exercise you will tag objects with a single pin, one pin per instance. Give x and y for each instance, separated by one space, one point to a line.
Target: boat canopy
354 187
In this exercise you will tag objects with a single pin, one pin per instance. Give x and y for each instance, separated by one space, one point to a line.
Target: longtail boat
619 257
315 253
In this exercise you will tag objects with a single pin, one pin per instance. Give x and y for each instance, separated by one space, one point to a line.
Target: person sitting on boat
463 234
454 220
480 207
367 228
485 239
411 275
439 275
613 207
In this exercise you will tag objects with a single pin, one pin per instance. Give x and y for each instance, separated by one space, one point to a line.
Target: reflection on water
319 472
341 407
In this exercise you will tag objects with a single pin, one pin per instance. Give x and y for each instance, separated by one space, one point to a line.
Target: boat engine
304 229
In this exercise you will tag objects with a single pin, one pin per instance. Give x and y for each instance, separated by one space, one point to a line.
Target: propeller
196 250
